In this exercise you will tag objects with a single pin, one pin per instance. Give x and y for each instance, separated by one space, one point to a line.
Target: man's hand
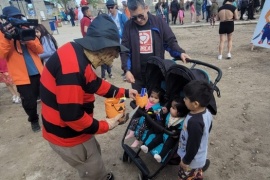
184 166
132 93
113 122
184 56
130 78
9 28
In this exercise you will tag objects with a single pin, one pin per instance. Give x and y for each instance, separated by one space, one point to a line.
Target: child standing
48 42
173 122
193 141
181 15
213 13
192 12
152 107
5 78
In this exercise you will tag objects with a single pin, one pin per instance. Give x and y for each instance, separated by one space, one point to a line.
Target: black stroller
172 77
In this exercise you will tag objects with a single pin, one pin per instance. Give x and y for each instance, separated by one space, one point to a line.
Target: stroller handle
195 62
152 122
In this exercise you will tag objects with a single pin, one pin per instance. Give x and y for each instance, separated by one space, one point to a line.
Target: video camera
20 33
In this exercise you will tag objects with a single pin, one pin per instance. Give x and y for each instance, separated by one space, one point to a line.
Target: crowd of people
64 79
205 8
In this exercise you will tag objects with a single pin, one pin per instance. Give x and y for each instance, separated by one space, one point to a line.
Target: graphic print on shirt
146 42
183 141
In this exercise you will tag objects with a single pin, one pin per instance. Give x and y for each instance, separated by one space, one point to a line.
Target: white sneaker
144 148
229 56
13 98
219 57
157 157
18 100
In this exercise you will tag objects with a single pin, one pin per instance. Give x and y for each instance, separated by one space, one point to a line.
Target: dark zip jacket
163 38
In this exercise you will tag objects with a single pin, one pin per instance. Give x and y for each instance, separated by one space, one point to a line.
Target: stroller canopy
178 76
156 71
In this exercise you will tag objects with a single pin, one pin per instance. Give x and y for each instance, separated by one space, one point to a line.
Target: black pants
29 94
250 12
168 145
243 10
207 13
174 17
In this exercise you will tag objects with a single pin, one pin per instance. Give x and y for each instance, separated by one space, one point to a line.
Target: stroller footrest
136 159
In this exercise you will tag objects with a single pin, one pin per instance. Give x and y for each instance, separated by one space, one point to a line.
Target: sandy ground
239 142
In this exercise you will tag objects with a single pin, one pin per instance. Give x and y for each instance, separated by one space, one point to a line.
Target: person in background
48 42
68 88
72 16
145 35
76 11
243 4
86 20
125 9
198 7
24 66
208 6
192 12
174 7
181 15
226 15
82 4
204 9
213 12
5 78
119 19
250 9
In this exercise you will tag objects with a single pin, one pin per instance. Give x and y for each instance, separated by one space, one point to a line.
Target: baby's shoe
144 148
229 56
219 57
157 157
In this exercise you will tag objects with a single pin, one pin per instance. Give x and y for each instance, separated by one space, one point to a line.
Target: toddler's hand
164 110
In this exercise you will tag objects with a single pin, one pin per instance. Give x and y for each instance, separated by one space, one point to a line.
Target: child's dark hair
182 109
200 91
44 32
191 3
84 9
160 93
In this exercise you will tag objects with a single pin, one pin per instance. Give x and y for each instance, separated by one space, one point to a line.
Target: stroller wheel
125 157
129 160
142 177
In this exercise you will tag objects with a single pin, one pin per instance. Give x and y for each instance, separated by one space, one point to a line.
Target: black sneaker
110 176
206 166
35 126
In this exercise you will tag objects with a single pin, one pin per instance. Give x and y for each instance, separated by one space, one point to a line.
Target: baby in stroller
172 121
138 124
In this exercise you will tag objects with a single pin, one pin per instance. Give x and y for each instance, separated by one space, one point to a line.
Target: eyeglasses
139 16
110 7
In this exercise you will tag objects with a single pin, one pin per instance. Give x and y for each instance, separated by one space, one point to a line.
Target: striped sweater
68 85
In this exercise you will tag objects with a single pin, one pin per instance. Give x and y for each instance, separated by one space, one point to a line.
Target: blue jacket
122 19
48 47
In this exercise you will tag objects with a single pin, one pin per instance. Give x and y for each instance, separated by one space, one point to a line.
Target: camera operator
24 64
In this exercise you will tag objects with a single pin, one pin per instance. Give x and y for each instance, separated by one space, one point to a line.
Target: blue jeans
105 67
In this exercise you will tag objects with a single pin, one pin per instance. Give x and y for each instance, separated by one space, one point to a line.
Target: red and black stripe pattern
68 85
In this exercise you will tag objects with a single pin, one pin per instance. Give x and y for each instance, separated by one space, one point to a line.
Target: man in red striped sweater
68 85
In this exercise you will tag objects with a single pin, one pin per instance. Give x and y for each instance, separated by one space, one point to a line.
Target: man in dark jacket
174 10
145 35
